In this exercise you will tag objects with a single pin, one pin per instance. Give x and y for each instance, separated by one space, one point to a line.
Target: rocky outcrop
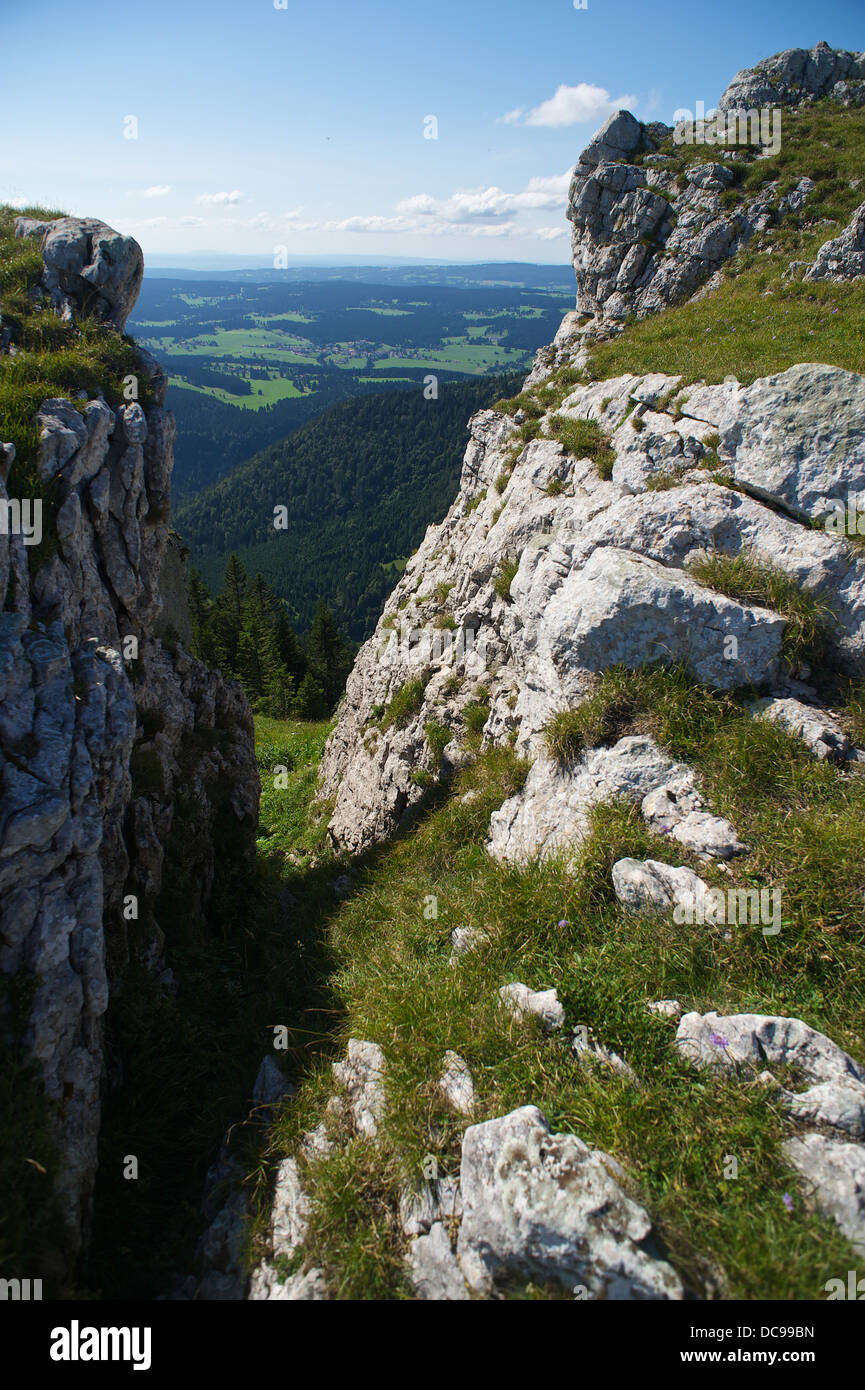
646 234
644 238
799 76
128 771
842 258
599 573
88 267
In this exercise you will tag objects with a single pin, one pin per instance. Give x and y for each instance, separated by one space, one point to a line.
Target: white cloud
157 190
192 221
510 117
224 199
468 205
557 184
421 203
550 233
370 224
499 229
576 105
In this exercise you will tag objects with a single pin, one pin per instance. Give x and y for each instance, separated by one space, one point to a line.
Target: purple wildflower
717 1041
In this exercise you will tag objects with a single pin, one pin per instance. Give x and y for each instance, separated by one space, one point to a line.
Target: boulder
88 266
545 1206
842 258
456 1084
733 1040
650 886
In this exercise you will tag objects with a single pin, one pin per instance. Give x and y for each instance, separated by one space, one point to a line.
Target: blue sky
304 126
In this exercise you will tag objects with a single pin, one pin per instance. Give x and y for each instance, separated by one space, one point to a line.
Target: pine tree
328 660
200 606
311 701
259 665
227 619
290 650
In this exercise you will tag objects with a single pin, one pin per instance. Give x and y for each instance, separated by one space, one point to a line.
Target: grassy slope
804 824
802 821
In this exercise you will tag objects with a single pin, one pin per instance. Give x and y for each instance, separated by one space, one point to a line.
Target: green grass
757 582
759 322
285 823
405 703
505 576
438 736
584 439
805 825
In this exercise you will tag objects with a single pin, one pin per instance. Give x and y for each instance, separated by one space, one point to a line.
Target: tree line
245 632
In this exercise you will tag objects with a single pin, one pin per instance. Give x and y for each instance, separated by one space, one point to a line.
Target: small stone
456 1084
543 1004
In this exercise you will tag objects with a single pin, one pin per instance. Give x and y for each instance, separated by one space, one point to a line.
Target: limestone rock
551 813
666 1008
651 886
361 1074
836 1104
629 610
797 77
434 1268
588 1050
727 1041
456 1084
271 1086
545 1206
306 1286
813 726
835 1174
842 258
437 1201
795 437
464 939
121 757
290 1209
603 575
543 1004
83 255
